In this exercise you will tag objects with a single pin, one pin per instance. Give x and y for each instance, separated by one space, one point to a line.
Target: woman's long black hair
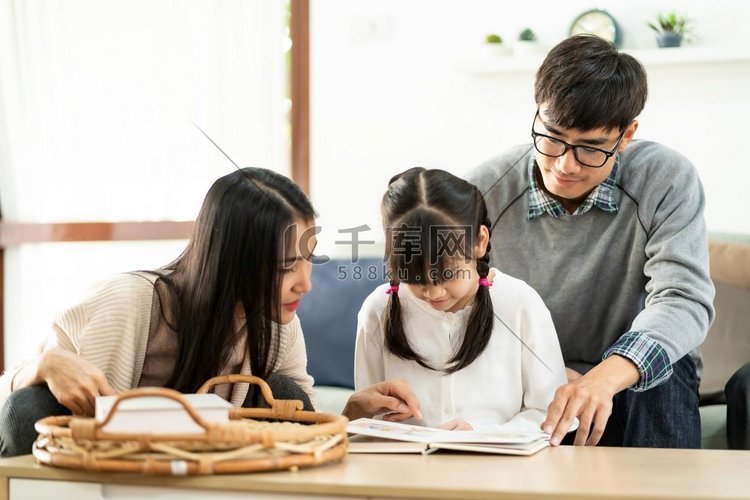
431 218
234 257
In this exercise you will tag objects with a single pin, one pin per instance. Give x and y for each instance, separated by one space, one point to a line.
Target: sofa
329 319
727 345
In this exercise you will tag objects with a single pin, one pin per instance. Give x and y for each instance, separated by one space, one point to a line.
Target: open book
378 436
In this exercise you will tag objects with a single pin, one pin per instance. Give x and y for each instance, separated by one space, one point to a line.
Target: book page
418 434
498 449
369 444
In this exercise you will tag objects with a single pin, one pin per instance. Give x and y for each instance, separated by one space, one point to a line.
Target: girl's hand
73 381
456 425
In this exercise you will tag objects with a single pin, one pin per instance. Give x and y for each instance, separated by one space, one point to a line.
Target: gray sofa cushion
727 345
714 427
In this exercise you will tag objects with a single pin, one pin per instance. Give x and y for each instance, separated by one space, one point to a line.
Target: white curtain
97 104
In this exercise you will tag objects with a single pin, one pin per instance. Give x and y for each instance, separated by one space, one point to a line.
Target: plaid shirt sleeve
650 358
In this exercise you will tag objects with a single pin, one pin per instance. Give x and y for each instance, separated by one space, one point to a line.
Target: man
610 232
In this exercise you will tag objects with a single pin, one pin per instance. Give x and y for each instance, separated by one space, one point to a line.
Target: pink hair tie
392 289
485 283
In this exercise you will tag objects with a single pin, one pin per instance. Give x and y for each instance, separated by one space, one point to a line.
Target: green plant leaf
670 22
493 38
527 34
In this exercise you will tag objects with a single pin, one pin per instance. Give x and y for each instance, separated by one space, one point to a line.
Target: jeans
737 392
18 415
663 417
282 387
25 406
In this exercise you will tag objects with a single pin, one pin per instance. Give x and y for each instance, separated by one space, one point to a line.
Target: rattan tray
292 438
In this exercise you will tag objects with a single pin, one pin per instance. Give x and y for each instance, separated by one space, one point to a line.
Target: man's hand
392 397
572 374
589 397
73 381
456 425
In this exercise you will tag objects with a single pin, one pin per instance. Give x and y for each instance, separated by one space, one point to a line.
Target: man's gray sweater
643 269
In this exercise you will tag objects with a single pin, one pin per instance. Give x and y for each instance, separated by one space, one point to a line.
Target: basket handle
283 408
151 392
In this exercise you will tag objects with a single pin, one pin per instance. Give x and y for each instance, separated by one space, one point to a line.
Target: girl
478 348
226 305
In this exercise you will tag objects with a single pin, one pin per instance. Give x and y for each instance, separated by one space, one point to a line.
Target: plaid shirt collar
603 196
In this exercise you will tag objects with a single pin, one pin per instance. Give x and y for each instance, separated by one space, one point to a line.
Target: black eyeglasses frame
574 147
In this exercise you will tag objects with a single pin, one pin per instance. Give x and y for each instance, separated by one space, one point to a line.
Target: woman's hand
73 381
456 425
392 397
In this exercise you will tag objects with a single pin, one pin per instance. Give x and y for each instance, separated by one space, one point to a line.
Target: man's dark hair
587 84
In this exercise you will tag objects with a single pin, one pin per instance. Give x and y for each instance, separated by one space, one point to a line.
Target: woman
226 305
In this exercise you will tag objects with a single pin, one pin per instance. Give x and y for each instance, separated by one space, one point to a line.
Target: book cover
377 436
159 415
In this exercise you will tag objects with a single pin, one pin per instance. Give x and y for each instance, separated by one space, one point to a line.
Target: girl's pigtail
395 338
481 319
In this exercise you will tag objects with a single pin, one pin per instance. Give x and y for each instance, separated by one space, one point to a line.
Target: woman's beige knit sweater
110 328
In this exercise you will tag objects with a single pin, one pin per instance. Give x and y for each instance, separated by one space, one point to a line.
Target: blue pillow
329 316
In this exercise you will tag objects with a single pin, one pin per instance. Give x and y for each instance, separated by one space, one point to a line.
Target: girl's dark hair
234 256
588 84
431 219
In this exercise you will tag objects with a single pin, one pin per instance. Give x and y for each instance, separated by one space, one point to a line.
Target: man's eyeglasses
585 155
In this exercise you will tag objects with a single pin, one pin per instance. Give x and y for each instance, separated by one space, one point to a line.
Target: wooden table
564 472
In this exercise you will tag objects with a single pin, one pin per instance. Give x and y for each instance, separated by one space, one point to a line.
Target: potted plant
495 45
670 29
493 38
527 35
526 43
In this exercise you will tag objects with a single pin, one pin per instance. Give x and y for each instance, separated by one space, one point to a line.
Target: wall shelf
490 65
691 55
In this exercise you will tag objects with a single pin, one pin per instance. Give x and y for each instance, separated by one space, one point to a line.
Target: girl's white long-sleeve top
507 387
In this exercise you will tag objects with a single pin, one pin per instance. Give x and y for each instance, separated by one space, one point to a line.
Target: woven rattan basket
287 437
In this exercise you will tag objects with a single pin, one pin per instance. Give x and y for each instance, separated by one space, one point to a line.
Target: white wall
97 104
392 88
